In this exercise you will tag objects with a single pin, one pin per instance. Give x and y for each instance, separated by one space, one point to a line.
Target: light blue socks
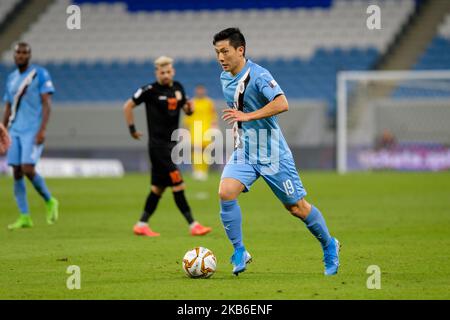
20 192
317 226
40 186
231 216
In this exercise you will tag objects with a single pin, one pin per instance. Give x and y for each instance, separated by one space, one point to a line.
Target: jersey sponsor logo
162 98
172 104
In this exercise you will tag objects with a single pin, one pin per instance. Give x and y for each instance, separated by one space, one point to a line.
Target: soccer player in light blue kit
255 99
28 98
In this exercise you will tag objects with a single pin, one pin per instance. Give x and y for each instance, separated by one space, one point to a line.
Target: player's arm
188 107
274 107
129 118
46 89
7 114
188 104
5 140
46 99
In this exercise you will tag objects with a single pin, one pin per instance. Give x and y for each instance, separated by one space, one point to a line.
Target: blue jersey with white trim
23 92
251 89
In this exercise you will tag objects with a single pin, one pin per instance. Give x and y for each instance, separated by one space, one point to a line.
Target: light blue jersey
23 92
261 150
261 140
252 89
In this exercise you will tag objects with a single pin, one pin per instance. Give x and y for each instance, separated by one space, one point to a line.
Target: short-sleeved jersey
251 89
163 104
23 91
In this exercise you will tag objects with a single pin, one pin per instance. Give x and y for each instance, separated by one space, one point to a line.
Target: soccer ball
199 263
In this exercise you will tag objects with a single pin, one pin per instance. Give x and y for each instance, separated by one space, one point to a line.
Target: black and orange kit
162 104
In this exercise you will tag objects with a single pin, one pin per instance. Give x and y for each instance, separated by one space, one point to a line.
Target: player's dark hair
234 35
22 45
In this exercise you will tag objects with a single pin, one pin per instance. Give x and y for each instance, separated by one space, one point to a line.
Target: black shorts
164 172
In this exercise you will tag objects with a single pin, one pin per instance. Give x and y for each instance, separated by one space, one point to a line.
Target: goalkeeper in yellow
203 119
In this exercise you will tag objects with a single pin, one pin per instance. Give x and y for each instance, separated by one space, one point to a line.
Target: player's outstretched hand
232 115
137 135
5 140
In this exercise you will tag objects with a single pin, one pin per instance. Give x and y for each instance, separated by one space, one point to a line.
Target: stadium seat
6 7
435 57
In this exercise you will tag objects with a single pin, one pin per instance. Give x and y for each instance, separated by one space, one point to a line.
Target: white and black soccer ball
199 262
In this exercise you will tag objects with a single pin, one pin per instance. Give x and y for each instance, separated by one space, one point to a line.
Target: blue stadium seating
179 5
133 5
435 57
300 79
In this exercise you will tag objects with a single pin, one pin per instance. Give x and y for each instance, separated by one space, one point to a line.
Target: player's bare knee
179 187
17 172
300 209
223 195
226 192
157 190
28 170
293 209
304 208
229 189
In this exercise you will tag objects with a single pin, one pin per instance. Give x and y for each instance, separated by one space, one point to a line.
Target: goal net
393 120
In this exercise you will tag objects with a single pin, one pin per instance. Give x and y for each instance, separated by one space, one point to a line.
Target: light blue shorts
281 176
24 150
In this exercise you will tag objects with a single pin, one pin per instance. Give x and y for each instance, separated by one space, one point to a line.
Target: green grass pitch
398 221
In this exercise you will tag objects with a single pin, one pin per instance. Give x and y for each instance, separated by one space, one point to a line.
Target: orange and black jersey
163 104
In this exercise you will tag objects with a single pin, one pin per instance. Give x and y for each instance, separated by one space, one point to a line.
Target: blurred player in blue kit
255 98
27 110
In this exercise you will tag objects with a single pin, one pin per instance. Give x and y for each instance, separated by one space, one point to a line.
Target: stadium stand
433 57
303 43
6 6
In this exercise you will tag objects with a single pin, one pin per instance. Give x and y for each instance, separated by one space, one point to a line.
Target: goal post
411 108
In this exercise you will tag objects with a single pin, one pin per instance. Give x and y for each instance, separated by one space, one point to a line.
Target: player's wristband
132 128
